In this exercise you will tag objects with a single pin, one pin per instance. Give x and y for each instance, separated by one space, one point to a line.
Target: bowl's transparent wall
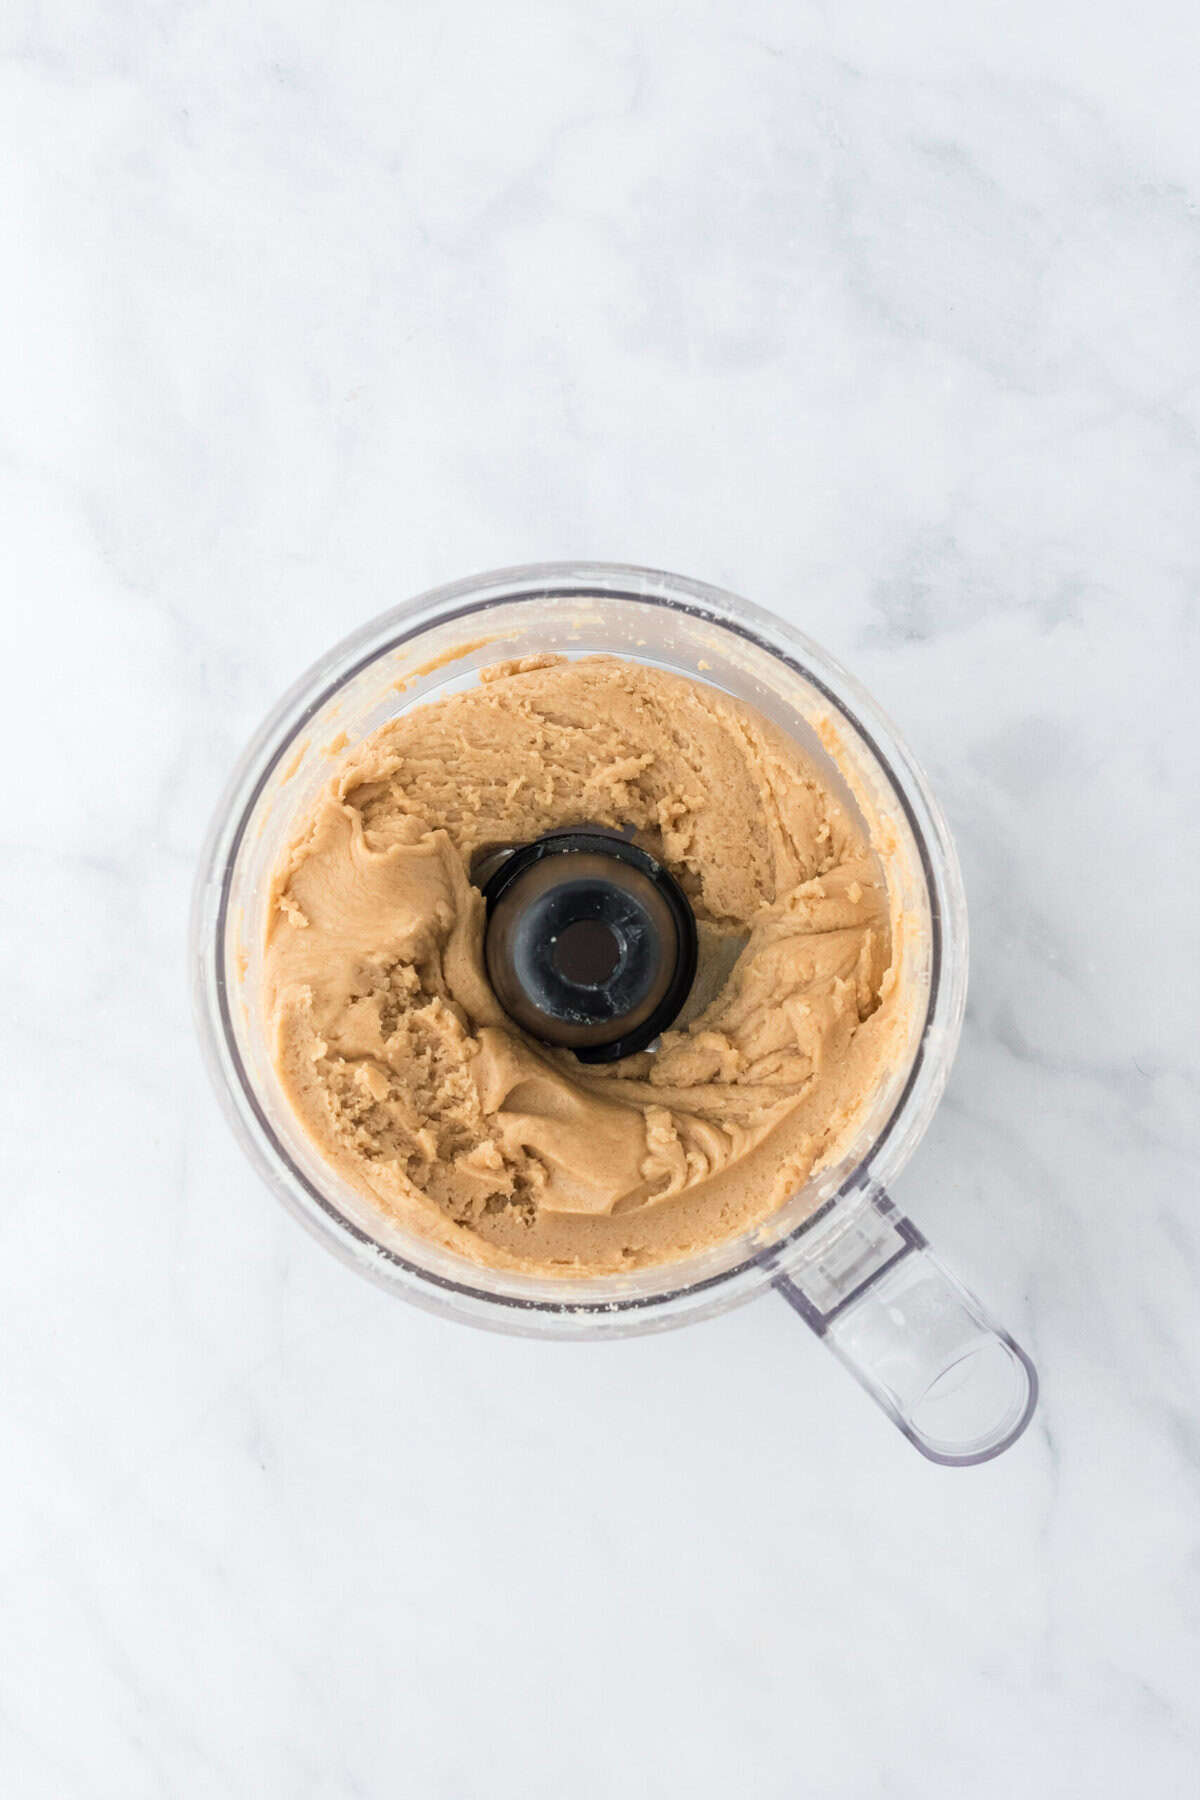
362 685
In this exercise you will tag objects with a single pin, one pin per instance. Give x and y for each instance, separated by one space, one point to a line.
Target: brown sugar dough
416 1087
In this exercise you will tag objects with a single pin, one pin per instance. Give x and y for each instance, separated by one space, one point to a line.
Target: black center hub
590 944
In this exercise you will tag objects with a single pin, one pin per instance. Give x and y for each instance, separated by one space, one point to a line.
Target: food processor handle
952 1380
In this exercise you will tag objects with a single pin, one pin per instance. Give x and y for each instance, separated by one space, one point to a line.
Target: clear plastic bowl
858 1274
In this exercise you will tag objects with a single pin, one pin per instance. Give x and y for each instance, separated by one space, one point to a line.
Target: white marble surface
884 316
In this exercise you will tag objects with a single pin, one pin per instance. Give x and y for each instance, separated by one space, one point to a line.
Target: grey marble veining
885 317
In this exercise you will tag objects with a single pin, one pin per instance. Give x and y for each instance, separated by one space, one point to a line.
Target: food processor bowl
858 1273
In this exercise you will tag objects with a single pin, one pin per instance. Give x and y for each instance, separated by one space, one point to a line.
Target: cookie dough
418 1089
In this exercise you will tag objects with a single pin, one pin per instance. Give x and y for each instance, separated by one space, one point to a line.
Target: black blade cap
590 944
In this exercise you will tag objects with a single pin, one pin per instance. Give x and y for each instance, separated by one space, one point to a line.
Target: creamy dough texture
418 1089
